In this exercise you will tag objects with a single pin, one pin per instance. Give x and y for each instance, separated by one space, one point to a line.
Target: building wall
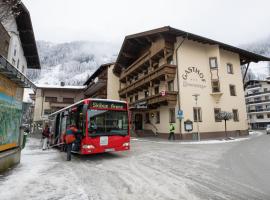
4 41
113 84
15 53
193 54
262 108
41 104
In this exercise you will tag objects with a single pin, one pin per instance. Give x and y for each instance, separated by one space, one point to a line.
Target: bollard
24 139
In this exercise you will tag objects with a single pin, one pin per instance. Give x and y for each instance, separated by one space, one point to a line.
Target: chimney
62 83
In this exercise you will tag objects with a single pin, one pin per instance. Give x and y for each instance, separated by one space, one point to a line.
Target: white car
268 129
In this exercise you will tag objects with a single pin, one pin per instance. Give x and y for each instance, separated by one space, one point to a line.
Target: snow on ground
211 141
150 170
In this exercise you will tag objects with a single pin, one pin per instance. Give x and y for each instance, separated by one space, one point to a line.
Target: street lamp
197 110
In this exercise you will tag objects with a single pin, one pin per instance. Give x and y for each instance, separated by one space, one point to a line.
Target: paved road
151 170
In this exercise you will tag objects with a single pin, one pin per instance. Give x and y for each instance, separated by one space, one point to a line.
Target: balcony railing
259 101
14 74
94 88
166 69
158 99
258 93
139 64
254 86
259 110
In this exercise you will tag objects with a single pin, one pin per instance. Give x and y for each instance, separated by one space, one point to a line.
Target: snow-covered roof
75 87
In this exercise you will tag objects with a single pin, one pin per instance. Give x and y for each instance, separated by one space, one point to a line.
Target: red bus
104 126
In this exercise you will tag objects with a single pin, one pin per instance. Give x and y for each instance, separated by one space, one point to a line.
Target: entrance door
138 121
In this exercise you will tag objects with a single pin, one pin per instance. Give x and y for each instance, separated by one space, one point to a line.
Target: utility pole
197 111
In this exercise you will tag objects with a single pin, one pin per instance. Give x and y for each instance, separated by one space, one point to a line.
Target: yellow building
161 71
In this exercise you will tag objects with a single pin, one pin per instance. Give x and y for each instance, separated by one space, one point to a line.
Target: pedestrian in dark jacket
70 138
45 136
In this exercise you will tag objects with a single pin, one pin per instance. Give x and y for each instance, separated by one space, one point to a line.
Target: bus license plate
109 150
103 141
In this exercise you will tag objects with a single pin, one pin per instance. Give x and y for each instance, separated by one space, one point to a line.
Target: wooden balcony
158 74
156 52
94 89
153 101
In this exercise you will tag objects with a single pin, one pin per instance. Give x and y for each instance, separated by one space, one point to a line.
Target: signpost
180 114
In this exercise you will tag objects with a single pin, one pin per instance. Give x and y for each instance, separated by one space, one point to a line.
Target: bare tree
9 8
224 115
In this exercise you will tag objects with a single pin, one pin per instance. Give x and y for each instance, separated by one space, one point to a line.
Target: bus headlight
88 146
126 144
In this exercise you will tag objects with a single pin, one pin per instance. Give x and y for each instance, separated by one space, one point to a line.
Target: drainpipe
177 77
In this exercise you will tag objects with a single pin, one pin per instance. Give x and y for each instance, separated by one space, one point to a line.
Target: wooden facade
151 69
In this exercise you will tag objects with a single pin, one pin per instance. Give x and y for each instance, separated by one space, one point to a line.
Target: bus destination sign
107 105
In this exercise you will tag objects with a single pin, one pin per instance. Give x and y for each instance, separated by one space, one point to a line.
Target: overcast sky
230 21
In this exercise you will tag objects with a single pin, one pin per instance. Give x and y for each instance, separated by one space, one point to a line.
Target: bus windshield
107 122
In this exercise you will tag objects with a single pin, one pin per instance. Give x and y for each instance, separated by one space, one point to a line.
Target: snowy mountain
260 70
261 47
72 62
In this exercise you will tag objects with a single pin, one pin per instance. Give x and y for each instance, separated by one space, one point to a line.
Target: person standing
172 128
70 138
45 137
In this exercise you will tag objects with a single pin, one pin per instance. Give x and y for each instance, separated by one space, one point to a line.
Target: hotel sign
193 77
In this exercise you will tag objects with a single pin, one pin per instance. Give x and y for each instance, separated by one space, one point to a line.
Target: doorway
138 122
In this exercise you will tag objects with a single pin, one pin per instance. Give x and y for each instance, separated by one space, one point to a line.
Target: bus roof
81 101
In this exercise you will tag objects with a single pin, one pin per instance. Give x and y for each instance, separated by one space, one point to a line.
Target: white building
257 94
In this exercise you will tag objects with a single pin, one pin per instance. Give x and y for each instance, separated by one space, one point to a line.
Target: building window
235 115
6 45
229 68
216 112
136 97
265 89
130 99
18 63
268 115
145 72
255 91
136 78
14 52
266 97
23 69
157 117
50 99
170 86
68 100
197 114
13 61
213 62
157 90
215 86
47 111
146 93
147 118
259 116
232 90
257 99
172 115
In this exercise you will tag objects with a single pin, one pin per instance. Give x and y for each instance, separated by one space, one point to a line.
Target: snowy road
151 170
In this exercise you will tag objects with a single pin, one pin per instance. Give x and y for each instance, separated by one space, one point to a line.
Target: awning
14 74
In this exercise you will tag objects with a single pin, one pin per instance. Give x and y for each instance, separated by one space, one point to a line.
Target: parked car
268 129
